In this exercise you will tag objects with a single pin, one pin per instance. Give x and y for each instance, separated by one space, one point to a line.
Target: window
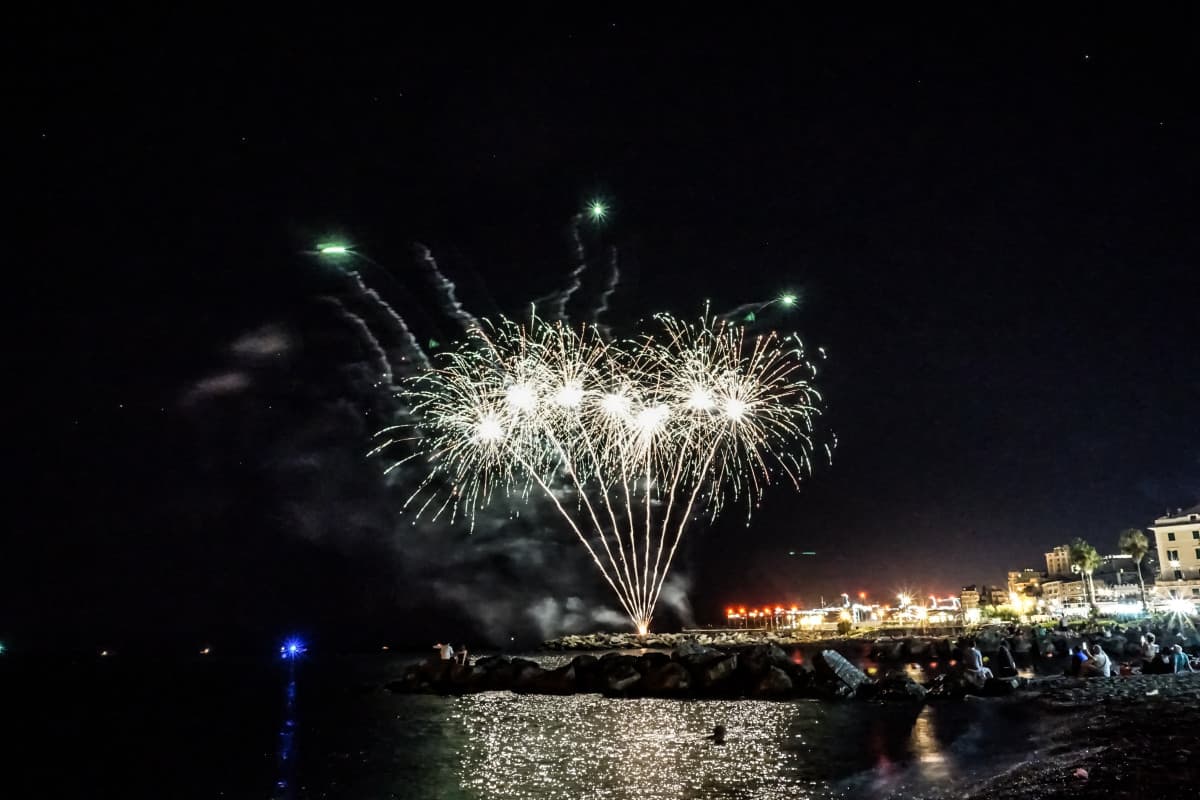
1198 553
1170 537
1196 534
1172 555
1196 590
1178 574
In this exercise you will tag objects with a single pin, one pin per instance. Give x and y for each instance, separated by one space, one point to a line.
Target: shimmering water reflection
587 746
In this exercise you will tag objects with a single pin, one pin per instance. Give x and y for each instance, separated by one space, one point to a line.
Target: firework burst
630 440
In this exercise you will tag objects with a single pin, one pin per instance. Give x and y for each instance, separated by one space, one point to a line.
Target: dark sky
992 221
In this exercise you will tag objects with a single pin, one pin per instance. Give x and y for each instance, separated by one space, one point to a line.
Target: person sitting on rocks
973 669
1180 661
1100 665
1079 659
1006 667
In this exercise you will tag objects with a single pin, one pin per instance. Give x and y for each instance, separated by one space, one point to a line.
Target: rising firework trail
629 440
446 289
382 365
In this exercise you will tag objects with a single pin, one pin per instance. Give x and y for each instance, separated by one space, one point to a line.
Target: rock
670 678
587 673
522 674
584 662
915 648
893 687
489 663
650 661
997 687
691 650
833 667
718 670
621 678
775 683
557 681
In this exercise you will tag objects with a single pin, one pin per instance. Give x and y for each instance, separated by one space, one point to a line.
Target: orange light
741 611
953 662
933 665
862 595
795 609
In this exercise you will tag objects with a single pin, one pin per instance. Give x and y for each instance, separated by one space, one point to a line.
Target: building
1058 593
1058 562
1024 582
1177 537
969 597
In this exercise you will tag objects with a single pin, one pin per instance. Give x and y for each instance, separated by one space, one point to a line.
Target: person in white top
1149 647
1100 665
973 669
445 651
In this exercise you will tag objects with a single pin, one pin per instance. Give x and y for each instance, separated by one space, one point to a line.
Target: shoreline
1135 736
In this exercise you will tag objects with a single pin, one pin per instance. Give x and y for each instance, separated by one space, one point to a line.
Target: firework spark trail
648 432
575 279
382 364
610 287
446 288
410 346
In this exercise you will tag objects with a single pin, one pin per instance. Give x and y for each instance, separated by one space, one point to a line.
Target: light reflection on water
586 746
589 746
373 744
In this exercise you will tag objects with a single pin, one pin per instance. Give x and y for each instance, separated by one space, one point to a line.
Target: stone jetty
692 670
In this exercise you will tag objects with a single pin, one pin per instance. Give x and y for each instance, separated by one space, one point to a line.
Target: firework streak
630 439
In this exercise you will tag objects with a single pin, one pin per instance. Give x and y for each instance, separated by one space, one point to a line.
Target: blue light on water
292 648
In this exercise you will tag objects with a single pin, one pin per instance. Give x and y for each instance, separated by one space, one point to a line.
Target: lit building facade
1024 582
1058 562
1177 539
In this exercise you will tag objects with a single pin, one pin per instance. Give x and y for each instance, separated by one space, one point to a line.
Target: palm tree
1085 559
1133 542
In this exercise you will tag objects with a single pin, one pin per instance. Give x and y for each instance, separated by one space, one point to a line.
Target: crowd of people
1086 660
1094 662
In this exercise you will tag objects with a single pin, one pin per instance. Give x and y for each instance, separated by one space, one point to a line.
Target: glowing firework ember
630 440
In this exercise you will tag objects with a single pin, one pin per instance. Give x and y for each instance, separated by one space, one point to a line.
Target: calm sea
324 728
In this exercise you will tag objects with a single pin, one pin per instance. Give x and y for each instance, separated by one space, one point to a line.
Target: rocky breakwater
667 641
763 671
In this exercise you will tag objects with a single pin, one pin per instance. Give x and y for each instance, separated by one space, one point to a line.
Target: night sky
991 222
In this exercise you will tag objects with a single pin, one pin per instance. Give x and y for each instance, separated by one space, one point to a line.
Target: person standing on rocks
1149 648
